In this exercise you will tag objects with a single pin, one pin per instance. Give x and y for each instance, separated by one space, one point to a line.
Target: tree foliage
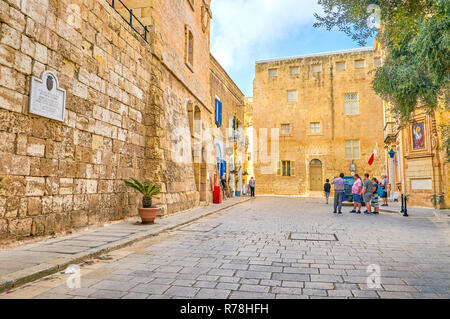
416 37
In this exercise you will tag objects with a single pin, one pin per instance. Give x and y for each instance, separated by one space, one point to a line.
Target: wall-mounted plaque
46 97
419 184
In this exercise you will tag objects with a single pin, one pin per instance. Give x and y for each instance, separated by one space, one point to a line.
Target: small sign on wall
47 99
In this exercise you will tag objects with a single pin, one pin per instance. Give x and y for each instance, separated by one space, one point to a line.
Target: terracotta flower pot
148 215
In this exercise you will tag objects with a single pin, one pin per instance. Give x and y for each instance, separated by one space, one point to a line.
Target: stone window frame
339 62
206 16
294 67
314 132
282 169
296 96
351 113
281 129
189 56
272 76
316 65
352 149
360 67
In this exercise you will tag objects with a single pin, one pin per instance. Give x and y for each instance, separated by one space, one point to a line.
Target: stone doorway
315 175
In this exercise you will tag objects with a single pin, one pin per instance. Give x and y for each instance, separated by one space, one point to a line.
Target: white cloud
241 28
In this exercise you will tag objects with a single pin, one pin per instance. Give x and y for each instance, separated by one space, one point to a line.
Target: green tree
416 37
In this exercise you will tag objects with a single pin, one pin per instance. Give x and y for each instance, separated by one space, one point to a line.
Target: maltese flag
374 154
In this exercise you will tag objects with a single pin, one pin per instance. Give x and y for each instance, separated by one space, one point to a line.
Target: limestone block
20 227
35 186
10 36
34 206
22 63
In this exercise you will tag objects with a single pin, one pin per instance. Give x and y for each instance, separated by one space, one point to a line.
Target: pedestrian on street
374 202
383 185
327 189
251 183
367 192
356 192
224 186
338 191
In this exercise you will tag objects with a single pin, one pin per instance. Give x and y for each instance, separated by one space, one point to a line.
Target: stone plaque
421 184
47 99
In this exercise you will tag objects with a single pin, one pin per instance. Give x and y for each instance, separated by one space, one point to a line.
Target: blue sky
244 31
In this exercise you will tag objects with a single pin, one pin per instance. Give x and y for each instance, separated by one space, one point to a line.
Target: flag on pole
374 154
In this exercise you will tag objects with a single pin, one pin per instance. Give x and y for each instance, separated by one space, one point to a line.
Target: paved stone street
271 247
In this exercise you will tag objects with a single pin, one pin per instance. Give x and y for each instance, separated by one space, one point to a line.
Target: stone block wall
122 105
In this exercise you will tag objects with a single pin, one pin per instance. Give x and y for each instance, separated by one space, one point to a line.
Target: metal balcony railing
130 18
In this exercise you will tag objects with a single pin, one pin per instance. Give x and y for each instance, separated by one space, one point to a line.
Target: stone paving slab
57 253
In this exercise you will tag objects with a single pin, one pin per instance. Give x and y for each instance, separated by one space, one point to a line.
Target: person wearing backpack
327 189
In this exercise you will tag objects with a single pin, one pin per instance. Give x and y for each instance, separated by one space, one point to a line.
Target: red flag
372 157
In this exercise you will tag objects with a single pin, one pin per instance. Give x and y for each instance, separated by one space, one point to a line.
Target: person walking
224 186
327 189
367 192
338 191
374 202
356 192
383 185
251 183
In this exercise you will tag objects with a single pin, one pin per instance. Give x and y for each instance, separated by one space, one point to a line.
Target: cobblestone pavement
271 247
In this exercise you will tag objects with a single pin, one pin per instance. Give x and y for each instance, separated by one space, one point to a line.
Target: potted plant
147 212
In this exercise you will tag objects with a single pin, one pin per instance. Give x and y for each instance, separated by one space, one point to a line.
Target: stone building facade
418 166
228 140
132 99
322 116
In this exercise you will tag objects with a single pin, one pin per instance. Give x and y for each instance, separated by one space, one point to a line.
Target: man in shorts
367 193
383 185
356 193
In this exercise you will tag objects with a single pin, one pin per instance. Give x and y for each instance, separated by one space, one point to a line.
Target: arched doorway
315 175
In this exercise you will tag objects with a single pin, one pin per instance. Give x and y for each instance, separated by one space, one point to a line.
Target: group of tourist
364 190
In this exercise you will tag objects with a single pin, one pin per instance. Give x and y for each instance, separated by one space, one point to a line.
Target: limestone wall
320 99
123 104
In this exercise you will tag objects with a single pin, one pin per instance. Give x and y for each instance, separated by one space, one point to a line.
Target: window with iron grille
351 104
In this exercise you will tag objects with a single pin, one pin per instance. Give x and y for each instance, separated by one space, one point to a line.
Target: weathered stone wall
123 106
223 87
320 99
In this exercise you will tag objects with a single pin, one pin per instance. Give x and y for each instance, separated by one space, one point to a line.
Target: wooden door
315 173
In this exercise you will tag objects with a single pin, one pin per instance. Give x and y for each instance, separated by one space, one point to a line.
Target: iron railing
129 17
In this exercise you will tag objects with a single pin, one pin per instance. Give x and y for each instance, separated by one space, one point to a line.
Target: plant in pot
148 190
